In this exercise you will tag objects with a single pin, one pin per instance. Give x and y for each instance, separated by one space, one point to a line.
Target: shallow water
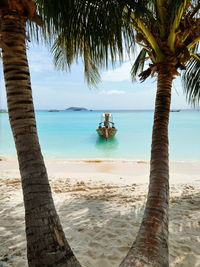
73 135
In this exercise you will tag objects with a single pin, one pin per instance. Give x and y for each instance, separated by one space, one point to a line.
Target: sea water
72 135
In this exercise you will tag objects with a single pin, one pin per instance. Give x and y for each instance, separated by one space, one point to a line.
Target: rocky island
53 110
76 109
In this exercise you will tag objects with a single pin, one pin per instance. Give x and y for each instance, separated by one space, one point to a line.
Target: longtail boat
106 127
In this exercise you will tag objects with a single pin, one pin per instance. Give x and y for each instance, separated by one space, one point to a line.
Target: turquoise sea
73 135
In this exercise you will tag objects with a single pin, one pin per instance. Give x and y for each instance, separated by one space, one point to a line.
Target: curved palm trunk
46 243
151 245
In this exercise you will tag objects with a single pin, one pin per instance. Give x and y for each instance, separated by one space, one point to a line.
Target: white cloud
42 64
40 67
112 92
119 74
40 60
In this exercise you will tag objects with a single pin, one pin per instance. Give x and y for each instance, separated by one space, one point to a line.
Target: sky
53 89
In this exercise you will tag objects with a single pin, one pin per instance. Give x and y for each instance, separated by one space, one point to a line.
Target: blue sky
54 89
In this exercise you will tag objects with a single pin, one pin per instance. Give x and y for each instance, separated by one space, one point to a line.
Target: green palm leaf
191 81
64 54
138 65
72 25
91 71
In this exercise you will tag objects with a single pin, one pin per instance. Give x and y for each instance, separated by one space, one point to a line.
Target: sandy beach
100 204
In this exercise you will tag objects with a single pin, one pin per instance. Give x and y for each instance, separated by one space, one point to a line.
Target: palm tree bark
151 245
46 242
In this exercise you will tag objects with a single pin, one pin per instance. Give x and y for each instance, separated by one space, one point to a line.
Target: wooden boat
106 127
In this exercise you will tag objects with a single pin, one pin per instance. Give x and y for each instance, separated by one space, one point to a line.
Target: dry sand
100 205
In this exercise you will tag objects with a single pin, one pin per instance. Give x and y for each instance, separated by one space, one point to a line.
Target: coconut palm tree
46 242
168 32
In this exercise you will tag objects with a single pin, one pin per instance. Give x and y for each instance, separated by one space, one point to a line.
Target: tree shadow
101 223
102 226
99 227
12 224
184 226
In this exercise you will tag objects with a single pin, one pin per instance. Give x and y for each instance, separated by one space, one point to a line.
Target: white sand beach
100 204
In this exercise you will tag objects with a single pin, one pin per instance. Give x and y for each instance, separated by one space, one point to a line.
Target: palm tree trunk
151 245
46 242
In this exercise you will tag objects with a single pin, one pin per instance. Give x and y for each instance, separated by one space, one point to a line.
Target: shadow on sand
101 223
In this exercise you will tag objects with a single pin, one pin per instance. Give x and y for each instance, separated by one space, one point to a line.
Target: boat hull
106 132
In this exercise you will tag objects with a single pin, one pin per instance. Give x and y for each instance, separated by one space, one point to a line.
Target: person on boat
106 127
107 122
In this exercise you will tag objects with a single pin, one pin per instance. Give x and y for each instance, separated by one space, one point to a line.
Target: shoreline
98 159
106 170
100 168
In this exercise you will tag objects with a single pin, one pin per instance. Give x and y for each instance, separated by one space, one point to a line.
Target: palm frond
97 23
191 81
91 71
138 65
177 11
161 16
65 53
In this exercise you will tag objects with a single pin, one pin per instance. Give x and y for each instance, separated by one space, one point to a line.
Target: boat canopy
106 114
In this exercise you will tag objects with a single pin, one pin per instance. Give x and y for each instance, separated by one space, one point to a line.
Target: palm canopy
171 30
168 32
90 29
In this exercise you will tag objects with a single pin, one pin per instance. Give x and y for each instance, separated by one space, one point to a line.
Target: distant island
175 110
76 109
53 110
